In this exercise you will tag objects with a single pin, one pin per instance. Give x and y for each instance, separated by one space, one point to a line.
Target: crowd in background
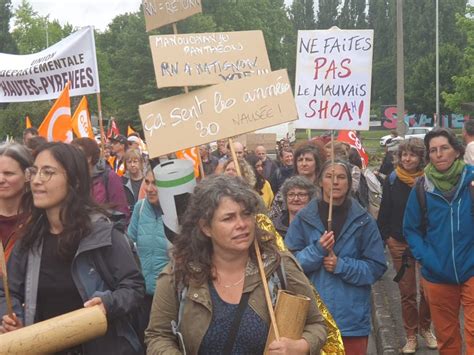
67 209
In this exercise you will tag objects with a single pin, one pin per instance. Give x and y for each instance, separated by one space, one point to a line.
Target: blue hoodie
361 262
446 249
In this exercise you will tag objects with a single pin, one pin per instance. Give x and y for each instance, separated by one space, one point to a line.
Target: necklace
234 284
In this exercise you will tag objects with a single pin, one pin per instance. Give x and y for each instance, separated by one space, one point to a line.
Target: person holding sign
210 299
344 262
71 256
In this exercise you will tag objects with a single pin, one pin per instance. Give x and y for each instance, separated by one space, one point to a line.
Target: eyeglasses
45 173
299 195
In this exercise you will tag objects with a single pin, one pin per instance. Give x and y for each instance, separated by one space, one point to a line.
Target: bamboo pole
331 195
4 274
234 157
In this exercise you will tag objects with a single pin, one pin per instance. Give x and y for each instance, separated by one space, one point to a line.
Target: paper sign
43 75
217 112
208 58
162 12
333 79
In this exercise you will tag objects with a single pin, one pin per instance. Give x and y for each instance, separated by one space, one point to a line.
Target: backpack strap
421 196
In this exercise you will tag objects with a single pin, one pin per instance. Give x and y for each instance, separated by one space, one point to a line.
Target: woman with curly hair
213 259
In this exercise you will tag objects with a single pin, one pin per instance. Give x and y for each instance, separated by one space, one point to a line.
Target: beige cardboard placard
217 112
162 12
208 58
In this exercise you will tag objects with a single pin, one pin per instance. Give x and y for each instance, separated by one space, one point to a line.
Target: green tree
463 90
302 15
327 13
7 44
33 33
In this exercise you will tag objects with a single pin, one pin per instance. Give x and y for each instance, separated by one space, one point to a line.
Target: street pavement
388 335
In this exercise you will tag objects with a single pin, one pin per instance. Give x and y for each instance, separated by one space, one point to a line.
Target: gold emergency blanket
334 345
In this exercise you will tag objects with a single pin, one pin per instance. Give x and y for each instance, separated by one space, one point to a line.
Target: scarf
447 180
406 177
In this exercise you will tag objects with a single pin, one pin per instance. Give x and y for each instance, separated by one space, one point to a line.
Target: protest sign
333 79
208 58
162 12
43 75
217 112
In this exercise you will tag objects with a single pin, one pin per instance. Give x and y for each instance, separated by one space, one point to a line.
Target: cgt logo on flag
192 155
57 123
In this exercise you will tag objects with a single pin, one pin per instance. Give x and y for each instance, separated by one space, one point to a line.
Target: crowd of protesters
83 227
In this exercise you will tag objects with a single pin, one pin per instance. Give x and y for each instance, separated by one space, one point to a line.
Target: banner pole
101 124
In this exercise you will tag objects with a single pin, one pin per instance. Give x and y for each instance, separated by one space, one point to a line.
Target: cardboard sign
217 112
333 79
208 58
162 12
44 75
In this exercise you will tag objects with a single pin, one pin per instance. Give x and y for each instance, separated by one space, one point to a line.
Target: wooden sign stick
186 90
331 195
3 266
259 257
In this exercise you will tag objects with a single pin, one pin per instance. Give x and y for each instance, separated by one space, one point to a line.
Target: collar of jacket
356 211
467 177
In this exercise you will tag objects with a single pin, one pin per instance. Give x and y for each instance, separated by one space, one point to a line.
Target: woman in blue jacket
342 264
441 238
146 230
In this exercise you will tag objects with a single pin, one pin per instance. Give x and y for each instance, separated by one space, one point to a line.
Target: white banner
333 79
43 75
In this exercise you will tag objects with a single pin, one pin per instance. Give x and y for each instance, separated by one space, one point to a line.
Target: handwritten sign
217 112
162 12
333 79
208 58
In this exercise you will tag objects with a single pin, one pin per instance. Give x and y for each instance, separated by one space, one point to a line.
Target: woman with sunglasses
14 159
60 263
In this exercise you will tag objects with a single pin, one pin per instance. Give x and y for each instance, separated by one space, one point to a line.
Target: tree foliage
7 43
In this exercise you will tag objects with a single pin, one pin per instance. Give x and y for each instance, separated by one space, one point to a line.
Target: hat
133 139
120 139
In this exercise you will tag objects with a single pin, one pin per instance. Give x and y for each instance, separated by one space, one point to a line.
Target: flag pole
101 123
3 266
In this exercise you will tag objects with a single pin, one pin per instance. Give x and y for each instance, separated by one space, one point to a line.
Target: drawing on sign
333 78
217 112
208 58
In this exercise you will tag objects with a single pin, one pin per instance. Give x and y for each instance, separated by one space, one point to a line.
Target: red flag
57 124
113 129
350 137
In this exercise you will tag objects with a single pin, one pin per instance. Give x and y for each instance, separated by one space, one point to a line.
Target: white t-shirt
469 155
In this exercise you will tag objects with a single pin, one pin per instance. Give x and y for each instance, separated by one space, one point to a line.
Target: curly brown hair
192 250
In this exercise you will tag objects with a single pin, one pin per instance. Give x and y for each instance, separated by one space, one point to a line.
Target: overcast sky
98 13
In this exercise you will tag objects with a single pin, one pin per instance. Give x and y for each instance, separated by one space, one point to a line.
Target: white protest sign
208 58
43 75
333 79
162 12
217 112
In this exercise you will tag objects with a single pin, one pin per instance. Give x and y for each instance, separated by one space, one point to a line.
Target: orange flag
190 154
130 130
28 122
57 124
81 120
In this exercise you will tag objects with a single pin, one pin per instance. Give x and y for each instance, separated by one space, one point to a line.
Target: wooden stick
259 257
267 292
234 157
331 195
4 274
101 123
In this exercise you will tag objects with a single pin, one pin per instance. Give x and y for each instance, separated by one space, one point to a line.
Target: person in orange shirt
119 147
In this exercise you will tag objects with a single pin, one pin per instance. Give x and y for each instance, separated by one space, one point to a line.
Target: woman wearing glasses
14 159
68 254
297 192
343 263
